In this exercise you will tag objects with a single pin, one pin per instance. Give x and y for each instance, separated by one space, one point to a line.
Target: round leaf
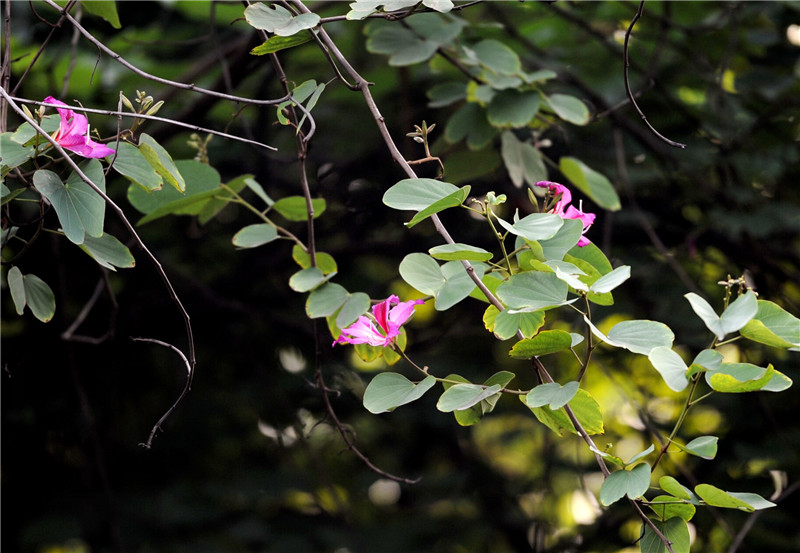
253 236
390 390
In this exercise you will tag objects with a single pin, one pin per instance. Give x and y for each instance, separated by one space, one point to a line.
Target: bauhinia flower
561 207
73 133
389 320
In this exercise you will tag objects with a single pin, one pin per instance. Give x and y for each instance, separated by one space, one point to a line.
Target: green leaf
585 408
523 161
716 497
445 94
453 200
547 341
610 281
568 108
278 20
325 300
253 236
422 272
131 164
469 121
552 394
504 325
774 326
16 285
640 336
388 391
202 186
676 531
703 446
161 161
670 366
463 396
80 209
555 248
591 254
307 279
221 198
590 182
631 483
108 252
458 251
458 284
417 194
536 226
733 318
33 292
673 487
293 208
402 45
14 154
745 377
253 185
325 262
511 108
105 9
353 307
277 43
533 290
496 56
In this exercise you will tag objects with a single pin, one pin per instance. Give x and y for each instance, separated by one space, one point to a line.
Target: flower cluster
563 197
73 133
389 320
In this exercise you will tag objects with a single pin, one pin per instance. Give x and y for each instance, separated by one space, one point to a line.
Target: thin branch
69 334
128 225
628 83
186 387
154 118
5 68
144 74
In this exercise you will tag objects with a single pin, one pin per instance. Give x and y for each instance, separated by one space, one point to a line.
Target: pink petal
362 332
556 189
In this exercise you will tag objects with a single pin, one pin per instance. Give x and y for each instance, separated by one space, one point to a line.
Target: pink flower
567 211
389 320
73 133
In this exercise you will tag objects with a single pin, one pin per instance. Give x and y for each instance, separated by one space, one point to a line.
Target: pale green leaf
670 366
256 235
307 279
568 108
388 391
703 446
161 161
552 394
417 194
132 164
676 531
353 307
463 396
422 272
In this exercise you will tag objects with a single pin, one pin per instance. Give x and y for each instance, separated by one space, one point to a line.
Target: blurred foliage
249 462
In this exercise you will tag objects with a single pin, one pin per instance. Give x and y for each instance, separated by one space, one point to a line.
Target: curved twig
628 83
186 387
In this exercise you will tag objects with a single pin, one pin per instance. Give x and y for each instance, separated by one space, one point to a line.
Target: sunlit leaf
568 108
552 394
590 182
278 20
161 161
731 500
585 408
294 208
732 319
277 43
670 366
547 341
703 446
